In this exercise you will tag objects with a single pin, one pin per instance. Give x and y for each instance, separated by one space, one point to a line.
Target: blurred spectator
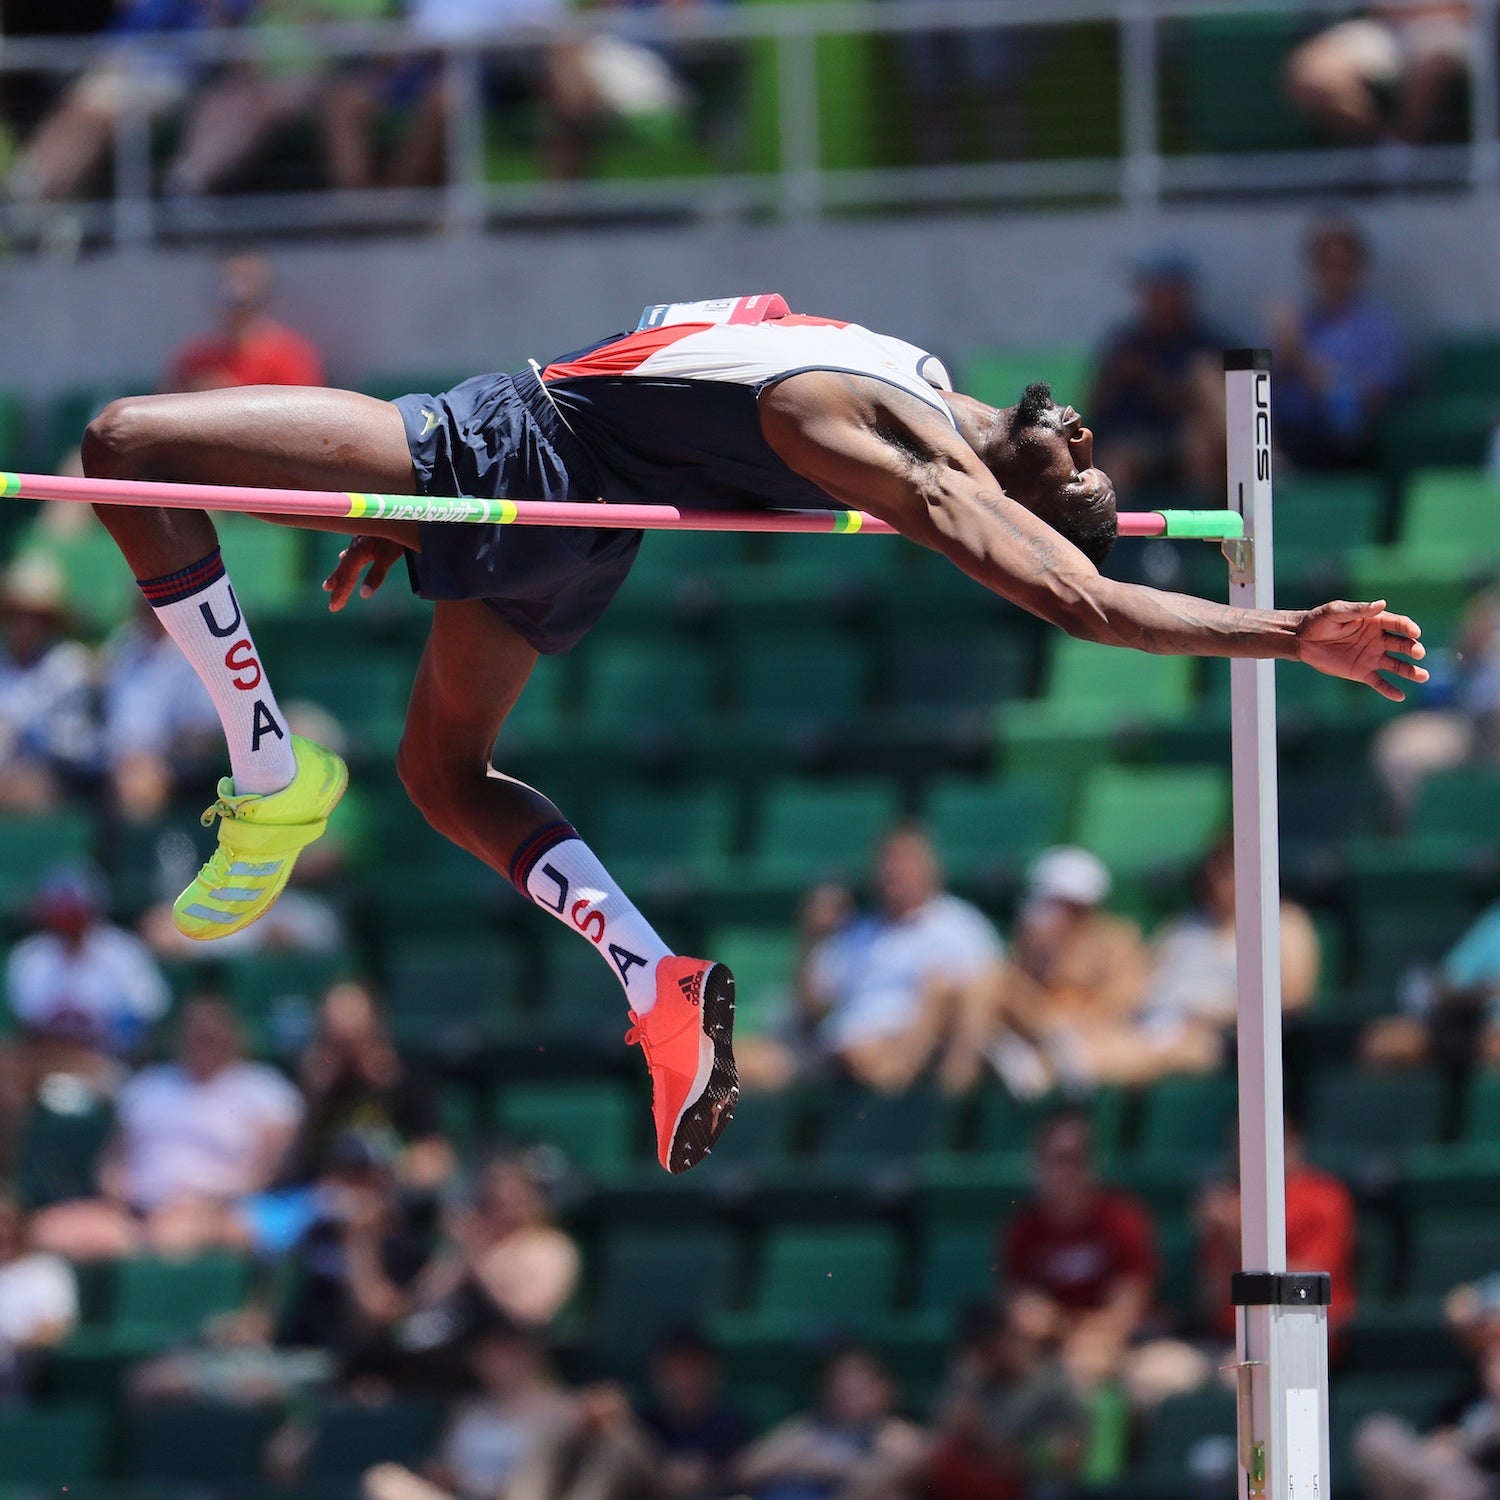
354 1079
853 1444
1187 1009
1460 1458
886 992
1074 971
38 1302
1339 358
248 347
248 102
48 733
1008 1419
1321 1235
1079 1259
697 1436
1152 425
1395 70
1450 1017
420 88
84 994
159 723
192 1138
1322 1231
1459 720
946 70
359 1251
524 1435
138 73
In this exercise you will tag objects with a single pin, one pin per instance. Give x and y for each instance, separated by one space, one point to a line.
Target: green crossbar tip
1204 525
10 484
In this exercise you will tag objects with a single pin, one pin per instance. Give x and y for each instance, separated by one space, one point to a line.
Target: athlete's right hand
372 552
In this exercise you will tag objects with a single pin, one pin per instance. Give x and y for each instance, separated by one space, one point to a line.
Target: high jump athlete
733 403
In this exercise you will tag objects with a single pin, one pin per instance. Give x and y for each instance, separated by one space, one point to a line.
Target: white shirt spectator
38 1294
873 973
153 701
46 707
105 992
181 1138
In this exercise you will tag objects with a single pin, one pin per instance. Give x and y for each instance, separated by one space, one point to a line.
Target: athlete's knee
427 778
119 442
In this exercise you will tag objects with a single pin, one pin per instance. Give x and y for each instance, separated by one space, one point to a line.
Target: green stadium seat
592 1124
1005 1124
809 678
838 1277
1462 805
654 1280
958 1266
541 713
1226 82
1482 1109
1457 427
31 843
1191 1436
365 690
1000 376
1139 820
272 989
60 1153
1327 514
1084 678
1185 1122
1354 1113
1416 1399
12 435
1326 805
643 830
631 685
1452 511
195 1443
807 830
266 562
1465 365
670 557
178 1296
764 964
352 1437
57 1445
1448 1251
442 991
799 562
861 1124
935 670
761 1134
980 827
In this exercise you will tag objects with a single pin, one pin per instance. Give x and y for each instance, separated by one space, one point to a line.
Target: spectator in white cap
884 992
48 733
1074 968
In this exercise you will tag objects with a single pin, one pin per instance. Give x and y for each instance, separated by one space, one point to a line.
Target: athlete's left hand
1359 642
372 552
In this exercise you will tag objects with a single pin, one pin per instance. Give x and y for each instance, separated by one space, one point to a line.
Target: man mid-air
732 403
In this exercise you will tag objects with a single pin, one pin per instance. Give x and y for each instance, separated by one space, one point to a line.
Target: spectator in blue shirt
1339 359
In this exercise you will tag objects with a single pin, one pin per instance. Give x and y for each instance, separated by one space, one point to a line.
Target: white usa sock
197 608
560 873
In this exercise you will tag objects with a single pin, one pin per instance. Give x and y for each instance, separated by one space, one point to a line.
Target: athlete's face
1046 463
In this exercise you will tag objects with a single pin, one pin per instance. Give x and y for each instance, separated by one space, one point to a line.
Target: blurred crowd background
361 1202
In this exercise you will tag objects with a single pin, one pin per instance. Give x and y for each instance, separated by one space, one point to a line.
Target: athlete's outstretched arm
891 454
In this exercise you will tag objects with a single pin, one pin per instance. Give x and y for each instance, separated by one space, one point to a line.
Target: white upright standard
1282 1319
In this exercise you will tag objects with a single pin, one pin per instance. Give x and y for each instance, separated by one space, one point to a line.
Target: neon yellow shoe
260 837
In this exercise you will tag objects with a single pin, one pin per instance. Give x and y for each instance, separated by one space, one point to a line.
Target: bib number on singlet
755 309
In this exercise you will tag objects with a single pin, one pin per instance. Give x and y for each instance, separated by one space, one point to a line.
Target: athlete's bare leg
279 437
471 674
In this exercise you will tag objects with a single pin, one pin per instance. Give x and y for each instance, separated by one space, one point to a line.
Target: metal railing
801 185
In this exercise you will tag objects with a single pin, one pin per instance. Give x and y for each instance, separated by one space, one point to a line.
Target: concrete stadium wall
428 305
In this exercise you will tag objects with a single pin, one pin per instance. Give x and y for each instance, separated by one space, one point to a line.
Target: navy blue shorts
497 436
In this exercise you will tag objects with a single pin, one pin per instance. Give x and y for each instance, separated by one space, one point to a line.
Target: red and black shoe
687 1038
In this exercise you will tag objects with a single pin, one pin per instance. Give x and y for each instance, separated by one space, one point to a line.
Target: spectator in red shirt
248 347
1079 1259
1321 1231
